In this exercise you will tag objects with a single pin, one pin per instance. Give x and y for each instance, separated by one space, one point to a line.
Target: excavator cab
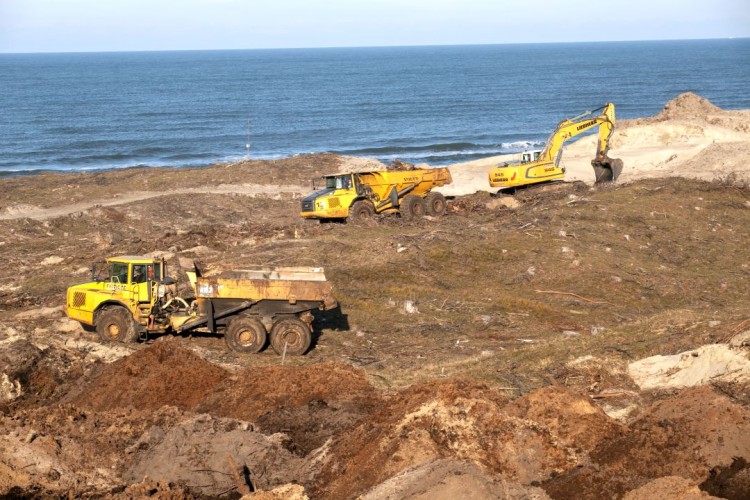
529 156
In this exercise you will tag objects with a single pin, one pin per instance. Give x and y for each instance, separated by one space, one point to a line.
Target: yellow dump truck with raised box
359 195
131 297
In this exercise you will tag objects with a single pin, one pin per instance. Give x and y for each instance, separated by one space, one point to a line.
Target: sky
132 25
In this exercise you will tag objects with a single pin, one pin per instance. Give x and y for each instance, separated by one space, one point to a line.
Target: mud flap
606 169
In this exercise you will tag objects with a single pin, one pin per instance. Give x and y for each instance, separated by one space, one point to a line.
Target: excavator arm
606 169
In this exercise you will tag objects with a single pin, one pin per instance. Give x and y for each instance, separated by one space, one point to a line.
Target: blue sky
117 25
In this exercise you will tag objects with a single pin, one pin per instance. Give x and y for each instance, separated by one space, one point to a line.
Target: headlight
161 291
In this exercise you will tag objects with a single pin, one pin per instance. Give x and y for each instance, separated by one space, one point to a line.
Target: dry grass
507 296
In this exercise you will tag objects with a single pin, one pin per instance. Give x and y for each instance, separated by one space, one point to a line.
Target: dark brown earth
508 381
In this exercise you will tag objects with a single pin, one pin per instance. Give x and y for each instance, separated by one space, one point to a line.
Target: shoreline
690 138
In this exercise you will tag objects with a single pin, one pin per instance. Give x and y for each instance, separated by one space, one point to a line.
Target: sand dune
690 138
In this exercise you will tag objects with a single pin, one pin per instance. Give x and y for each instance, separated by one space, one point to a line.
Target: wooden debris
591 301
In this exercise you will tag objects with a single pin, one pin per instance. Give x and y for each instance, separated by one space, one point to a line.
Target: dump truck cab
127 281
334 200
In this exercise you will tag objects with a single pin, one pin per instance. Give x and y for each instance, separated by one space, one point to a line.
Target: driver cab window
341 182
118 272
139 273
145 272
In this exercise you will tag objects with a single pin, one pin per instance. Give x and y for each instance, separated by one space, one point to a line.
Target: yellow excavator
546 166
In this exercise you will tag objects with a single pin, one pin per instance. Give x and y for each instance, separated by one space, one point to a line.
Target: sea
435 104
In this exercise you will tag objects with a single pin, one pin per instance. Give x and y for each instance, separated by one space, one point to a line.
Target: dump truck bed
424 179
289 284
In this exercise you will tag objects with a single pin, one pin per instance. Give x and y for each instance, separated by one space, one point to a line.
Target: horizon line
324 47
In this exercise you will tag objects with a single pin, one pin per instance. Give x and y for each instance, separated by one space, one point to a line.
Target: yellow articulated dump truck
131 297
356 196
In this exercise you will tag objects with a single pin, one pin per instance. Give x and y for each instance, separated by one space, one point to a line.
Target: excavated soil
560 341
162 375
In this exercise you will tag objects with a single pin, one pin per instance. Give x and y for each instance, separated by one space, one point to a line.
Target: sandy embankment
690 138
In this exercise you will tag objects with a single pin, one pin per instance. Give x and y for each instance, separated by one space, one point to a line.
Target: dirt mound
43 449
148 488
30 375
310 403
448 479
668 488
284 492
64 448
457 419
729 482
575 420
687 106
162 374
686 435
202 451
719 161
17 367
253 391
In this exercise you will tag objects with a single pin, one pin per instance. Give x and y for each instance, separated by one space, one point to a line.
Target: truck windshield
118 272
339 182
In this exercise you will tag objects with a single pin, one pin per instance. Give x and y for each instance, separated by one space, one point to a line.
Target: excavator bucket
606 169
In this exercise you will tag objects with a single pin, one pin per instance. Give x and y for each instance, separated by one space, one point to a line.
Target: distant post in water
247 143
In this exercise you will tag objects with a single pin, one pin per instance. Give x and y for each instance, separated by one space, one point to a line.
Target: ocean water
91 111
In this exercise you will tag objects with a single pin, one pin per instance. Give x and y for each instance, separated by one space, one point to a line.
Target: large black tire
116 324
245 334
435 204
292 333
412 207
361 210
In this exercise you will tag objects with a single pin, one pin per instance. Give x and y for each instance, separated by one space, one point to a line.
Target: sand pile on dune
704 365
690 137
685 107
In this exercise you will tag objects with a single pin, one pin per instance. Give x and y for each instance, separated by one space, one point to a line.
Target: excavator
546 165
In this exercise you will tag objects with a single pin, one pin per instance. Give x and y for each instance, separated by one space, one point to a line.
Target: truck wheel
412 207
115 324
292 333
245 334
435 204
361 210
